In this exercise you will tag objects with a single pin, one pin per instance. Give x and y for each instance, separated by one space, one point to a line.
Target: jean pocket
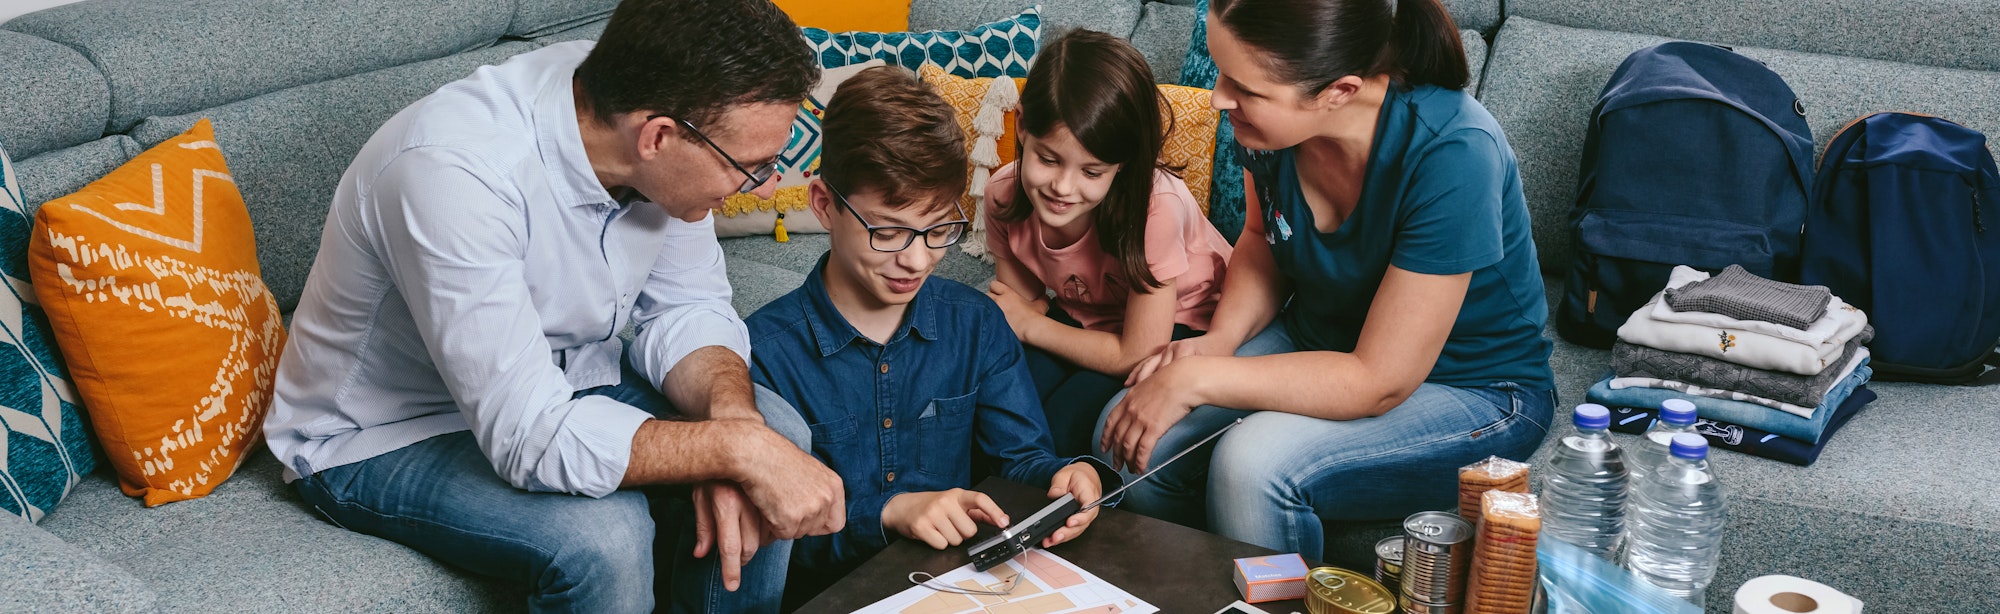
944 432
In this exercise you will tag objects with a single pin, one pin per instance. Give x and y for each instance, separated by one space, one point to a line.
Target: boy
901 377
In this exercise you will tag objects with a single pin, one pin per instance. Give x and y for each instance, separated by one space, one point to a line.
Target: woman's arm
1252 292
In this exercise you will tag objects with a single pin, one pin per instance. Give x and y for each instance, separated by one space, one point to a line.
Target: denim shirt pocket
944 432
832 439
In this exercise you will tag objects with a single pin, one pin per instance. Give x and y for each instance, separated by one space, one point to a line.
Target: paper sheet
1049 585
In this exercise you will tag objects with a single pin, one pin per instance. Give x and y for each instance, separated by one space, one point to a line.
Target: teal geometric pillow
1225 195
46 447
991 50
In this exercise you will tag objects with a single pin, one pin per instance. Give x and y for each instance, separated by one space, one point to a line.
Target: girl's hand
1174 351
1146 412
1021 312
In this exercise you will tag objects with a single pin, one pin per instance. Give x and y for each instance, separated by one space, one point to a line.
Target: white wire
1011 583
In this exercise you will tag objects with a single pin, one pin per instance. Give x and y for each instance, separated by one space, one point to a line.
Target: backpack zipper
1978 224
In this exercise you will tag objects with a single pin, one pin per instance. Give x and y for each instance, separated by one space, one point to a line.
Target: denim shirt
903 416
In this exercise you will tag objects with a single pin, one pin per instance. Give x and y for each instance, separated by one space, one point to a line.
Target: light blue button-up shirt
473 274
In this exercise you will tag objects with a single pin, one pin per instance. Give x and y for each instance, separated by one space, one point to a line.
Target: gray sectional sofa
1902 510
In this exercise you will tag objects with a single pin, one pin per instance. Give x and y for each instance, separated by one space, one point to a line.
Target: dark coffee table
1175 568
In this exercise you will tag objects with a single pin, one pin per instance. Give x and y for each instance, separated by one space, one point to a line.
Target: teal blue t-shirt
1442 196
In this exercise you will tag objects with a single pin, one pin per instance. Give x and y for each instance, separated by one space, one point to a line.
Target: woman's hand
1147 411
1167 355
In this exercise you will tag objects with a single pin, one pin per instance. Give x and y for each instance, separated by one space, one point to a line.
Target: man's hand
1146 412
942 518
797 495
1079 479
724 523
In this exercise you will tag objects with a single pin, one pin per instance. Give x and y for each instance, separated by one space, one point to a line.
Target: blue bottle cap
1690 446
1677 411
1592 416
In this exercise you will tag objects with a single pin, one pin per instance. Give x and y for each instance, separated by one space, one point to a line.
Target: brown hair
1100 88
1312 43
661 56
887 130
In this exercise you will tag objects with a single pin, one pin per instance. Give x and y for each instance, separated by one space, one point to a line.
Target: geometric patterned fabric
1190 147
990 50
150 280
746 214
1198 70
46 446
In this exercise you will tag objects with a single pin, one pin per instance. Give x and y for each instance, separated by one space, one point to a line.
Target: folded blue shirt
1751 441
1740 413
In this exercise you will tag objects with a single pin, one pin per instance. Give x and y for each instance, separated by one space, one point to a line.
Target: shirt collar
832 332
561 141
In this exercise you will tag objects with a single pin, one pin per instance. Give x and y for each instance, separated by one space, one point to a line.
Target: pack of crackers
1494 473
1503 560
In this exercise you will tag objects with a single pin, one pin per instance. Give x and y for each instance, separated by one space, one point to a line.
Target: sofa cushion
289 148
589 30
1945 33
1475 58
42 573
748 214
1482 16
1543 80
163 57
870 15
254 546
44 445
1003 47
60 172
55 97
1109 16
533 18
149 277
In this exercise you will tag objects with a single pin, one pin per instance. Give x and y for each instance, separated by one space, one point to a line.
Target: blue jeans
441 497
1073 396
1276 478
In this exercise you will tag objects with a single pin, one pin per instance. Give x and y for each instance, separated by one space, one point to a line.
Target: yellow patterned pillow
985 111
743 215
1191 146
150 280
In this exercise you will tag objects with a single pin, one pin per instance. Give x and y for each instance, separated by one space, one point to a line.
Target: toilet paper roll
1792 595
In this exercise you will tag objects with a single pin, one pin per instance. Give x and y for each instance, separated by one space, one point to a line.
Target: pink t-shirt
1090 284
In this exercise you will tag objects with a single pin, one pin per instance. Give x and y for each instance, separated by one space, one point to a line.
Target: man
903 377
456 380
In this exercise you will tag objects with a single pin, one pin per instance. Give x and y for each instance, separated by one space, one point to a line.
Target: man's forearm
712 383
668 452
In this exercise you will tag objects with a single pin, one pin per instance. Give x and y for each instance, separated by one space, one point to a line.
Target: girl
1089 212
1384 312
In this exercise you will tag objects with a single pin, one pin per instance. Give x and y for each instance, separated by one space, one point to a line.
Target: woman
1381 319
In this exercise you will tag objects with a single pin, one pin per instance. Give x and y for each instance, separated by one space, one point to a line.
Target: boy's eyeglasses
898 238
751 177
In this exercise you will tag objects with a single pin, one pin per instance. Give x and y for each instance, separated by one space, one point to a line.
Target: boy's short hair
662 56
888 131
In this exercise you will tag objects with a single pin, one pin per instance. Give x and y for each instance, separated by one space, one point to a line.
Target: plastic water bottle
1583 495
1677 518
1676 416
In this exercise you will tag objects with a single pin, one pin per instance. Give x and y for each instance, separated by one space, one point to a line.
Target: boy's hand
941 518
1079 479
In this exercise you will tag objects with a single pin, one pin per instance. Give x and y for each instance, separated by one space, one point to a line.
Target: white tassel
977 187
985 152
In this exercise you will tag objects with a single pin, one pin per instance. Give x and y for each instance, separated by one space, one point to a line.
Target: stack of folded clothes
1773 369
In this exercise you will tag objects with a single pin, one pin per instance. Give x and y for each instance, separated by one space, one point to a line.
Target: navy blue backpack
1905 225
1694 155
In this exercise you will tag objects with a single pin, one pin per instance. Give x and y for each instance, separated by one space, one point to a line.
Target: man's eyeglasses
898 238
751 177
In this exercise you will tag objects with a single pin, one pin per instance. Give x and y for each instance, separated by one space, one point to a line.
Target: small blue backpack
1905 225
1694 156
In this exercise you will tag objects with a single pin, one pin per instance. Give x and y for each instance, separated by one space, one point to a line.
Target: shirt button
892 476
885 368
886 423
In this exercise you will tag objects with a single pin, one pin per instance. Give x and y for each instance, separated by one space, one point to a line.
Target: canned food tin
1389 561
1411 606
1332 590
1437 555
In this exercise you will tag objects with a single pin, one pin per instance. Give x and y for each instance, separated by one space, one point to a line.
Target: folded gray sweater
1739 294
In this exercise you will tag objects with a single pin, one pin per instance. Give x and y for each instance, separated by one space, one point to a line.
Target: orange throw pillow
150 280
849 15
